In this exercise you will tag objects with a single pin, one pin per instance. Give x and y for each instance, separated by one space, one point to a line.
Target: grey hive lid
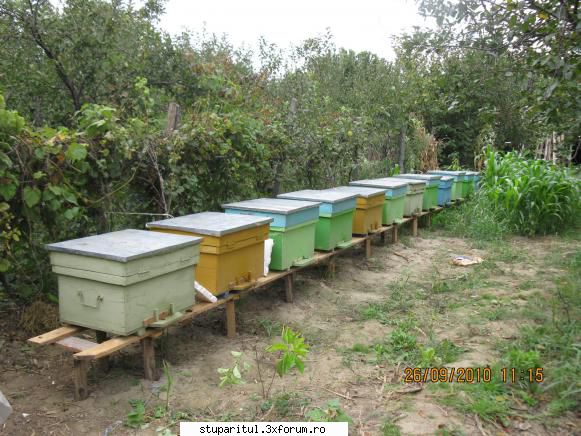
381 183
323 195
455 173
211 223
408 181
361 191
272 205
125 245
421 176
447 178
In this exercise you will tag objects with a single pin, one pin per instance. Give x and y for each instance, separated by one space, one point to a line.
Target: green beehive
336 210
122 282
430 199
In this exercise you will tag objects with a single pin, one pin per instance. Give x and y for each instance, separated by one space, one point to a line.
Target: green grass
389 428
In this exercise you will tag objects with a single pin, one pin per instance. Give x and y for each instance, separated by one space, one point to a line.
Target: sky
360 25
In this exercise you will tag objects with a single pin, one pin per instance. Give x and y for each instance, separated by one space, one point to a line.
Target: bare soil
37 381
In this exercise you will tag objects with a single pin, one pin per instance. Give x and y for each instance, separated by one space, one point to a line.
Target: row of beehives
122 282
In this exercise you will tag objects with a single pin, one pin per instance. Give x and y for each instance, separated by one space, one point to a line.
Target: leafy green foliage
330 412
233 375
292 350
136 416
533 196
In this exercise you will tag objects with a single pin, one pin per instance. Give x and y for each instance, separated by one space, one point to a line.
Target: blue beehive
445 190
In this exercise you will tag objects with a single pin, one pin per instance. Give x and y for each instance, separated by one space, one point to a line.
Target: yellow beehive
232 251
369 208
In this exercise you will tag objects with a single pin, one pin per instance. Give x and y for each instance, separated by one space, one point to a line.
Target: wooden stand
85 351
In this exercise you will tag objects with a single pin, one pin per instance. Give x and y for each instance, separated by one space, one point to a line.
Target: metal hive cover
125 245
323 195
381 183
447 178
272 205
409 181
211 223
454 173
361 191
421 176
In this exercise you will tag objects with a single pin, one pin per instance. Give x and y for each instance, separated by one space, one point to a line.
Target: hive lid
412 182
324 195
361 191
447 178
125 245
273 205
421 176
211 223
381 183
447 172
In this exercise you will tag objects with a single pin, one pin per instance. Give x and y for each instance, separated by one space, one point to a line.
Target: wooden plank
115 344
230 319
56 335
80 369
74 344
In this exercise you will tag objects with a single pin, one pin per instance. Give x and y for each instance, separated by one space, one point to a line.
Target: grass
551 340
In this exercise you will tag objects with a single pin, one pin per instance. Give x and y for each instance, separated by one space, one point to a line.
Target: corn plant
533 195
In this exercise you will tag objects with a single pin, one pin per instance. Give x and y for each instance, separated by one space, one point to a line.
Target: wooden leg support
331 267
230 319
415 226
368 248
288 288
80 369
103 362
394 234
149 365
382 238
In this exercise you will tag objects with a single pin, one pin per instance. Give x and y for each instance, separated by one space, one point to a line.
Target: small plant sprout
233 376
292 351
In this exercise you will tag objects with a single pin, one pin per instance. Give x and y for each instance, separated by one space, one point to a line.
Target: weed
233 375
136 416
269 326
389 428
331 412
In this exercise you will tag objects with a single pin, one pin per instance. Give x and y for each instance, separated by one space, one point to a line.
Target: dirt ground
328 311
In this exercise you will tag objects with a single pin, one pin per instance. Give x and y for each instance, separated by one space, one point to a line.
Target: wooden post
149 365
368 247
80 369
331 266
173 118
288 288
231 319
394 234
382 238
103 362
415 226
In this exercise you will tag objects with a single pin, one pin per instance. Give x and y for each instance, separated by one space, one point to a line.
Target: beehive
458 185
232 251
396 198
430 199
292 227
476 180
122 282
445 190
415 194
368 209
335 224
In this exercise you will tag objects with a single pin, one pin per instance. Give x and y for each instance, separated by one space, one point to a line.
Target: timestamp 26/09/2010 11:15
471 375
